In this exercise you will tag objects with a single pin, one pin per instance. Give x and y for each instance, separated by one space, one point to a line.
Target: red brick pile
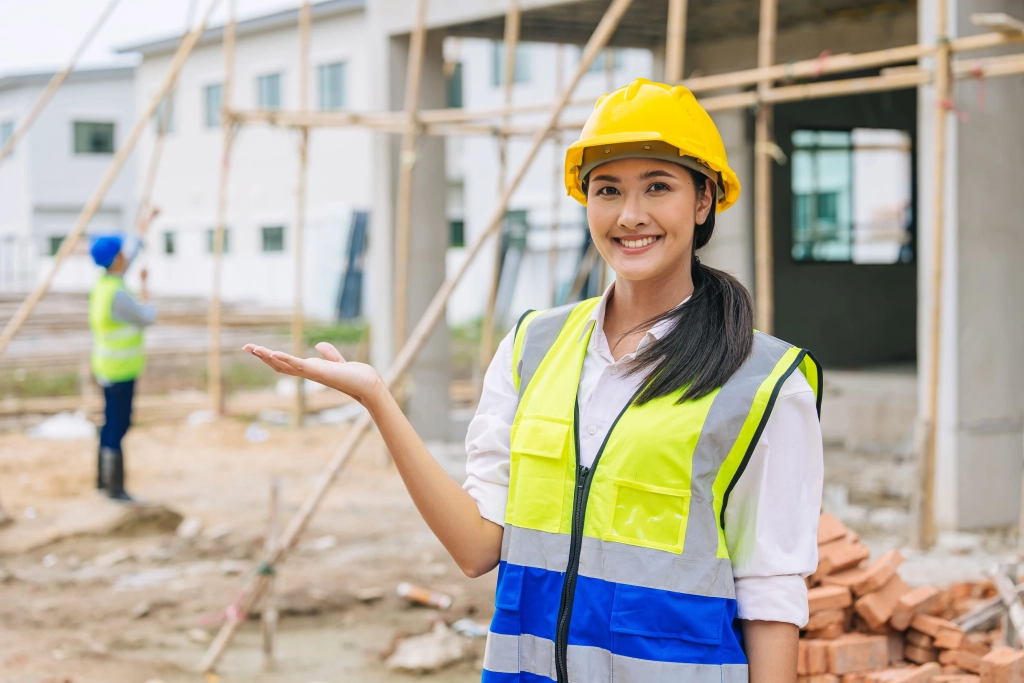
868 626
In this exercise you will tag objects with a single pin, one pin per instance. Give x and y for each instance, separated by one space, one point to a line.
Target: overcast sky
38 35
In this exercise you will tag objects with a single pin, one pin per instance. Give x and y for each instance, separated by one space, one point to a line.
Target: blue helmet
105 248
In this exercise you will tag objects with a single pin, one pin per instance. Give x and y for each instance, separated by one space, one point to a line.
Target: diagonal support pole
257 586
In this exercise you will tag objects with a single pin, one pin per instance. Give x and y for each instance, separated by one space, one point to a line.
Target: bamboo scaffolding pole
69 243
298 333
55 82
926 512
256 587
214 374
557 182
763 289
407 162
511 44
269 614
808 68
675 42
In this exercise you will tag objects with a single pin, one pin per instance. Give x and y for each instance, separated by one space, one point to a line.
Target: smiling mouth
637 243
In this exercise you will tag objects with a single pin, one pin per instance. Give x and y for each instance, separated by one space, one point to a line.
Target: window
332 85
268 91
164 118
852 196
212 101
93 137
54 244
453 87
522 69
6 131
209 240
456 233
273 238
601 61
170 242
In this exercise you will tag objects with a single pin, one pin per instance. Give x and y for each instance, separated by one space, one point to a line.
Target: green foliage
339 334
20 383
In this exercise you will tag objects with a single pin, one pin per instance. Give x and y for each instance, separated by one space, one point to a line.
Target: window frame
322 71
262 88
212 118
227 240
170 242
265 232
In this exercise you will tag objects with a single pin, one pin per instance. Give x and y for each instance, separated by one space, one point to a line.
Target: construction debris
424 596
438 649
867 626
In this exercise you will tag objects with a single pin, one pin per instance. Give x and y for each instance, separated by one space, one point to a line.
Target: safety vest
118 354
620 571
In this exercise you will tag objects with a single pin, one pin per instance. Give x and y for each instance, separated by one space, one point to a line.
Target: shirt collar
599 342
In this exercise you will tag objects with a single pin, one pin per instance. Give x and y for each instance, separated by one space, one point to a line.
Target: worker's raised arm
126 309
450 512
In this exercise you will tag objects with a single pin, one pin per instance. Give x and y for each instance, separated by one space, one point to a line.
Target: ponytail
711 334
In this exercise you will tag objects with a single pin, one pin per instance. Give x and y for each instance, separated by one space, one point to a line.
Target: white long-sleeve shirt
772 519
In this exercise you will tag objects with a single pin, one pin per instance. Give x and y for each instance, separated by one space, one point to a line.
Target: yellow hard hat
646 112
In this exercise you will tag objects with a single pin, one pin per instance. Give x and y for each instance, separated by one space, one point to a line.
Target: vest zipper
584 477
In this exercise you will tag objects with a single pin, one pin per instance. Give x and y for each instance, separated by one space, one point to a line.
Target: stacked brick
868 626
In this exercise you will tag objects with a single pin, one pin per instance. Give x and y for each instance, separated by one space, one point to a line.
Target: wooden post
227 125
509 74
55 82
675 45
558 183
926 513
298 345
269 615
417 339
68 245
764 298
407 162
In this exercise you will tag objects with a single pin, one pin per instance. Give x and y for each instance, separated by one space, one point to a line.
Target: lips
638 242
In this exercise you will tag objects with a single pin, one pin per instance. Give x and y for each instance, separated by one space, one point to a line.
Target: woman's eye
658 187
607 190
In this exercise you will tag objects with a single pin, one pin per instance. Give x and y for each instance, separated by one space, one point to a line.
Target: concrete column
732 246
981 399
428 404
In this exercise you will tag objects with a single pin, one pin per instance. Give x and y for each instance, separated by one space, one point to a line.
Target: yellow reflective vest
620 571
118 354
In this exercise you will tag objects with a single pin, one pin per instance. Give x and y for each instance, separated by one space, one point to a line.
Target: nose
633 216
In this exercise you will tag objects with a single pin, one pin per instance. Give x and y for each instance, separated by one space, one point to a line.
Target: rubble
432 651
866 625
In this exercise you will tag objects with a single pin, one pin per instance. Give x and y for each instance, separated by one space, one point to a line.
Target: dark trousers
117 413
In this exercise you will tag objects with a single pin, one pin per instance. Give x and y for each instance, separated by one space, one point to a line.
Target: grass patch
21 383
341 333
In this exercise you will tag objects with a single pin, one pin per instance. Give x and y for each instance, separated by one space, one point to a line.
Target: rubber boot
113 475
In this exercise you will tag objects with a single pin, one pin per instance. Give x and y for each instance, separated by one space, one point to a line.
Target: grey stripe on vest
540 337
721 429
512 654
619 563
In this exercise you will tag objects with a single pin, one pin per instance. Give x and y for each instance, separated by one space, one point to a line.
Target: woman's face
642 214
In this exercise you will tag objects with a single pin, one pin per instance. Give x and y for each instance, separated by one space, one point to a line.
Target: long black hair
712 333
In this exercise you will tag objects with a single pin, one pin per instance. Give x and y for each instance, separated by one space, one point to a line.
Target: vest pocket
648 516
509 590
639 611
539 452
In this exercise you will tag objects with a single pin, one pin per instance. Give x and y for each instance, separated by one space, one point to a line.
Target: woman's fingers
329 352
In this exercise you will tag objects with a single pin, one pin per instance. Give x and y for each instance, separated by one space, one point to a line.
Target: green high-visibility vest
118 354
620 571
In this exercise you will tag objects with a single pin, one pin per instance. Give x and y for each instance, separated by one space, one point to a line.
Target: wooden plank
763 285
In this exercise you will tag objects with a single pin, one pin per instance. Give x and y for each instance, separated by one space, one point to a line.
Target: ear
703 207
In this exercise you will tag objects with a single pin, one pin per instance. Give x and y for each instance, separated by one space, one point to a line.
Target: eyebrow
656 173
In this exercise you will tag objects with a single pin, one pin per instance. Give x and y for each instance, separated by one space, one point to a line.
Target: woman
644 470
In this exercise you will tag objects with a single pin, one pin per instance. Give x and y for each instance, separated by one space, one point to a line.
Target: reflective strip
619 563
721 429
517 344
540 336
530 654
119 354
121 333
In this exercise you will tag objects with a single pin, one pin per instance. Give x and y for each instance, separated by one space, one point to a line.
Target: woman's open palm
357 380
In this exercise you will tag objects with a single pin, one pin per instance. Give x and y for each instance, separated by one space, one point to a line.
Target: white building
55 168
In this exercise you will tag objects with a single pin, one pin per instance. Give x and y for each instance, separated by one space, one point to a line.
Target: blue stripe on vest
523 677
632 621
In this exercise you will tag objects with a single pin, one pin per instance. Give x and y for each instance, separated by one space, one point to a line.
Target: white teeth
636 244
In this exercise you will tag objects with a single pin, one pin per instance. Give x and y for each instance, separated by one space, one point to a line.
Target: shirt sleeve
771 522
125 309
487 440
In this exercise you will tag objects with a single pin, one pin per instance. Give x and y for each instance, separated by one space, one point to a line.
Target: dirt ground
82 604
140 605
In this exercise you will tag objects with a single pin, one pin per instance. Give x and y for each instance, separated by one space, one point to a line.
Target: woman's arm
473 542
771 648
